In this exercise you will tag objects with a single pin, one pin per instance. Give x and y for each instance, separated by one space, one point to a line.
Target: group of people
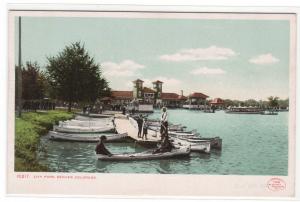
33 105
143 125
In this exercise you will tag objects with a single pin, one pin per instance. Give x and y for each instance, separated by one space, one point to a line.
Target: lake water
252 145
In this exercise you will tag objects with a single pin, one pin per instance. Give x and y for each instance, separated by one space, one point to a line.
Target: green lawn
28 130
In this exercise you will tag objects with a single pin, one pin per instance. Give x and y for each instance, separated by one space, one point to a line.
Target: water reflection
267 135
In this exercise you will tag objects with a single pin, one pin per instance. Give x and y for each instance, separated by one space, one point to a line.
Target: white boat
269 113
79 123
183 134
182 151
170 128
87 118
86 137
78 129
244 110
196 145
215 142
98 116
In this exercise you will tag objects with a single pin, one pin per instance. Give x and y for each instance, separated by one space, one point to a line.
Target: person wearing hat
164 123
165 146
140 125
100 148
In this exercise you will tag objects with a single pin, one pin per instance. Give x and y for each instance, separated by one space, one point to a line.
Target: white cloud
125 68
167 81
264 59
207 71
210 53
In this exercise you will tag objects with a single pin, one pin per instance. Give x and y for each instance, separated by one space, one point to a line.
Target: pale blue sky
235 59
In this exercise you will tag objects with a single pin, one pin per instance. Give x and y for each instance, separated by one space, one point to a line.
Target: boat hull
83 129
86 137
175 153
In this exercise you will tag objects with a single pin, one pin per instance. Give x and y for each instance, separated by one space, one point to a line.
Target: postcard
137 103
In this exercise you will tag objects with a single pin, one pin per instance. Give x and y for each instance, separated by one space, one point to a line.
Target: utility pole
19 76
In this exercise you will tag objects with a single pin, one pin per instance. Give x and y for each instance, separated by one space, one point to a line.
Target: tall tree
33 82
273 101
75 77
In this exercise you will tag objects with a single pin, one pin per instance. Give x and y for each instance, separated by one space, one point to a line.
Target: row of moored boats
90 129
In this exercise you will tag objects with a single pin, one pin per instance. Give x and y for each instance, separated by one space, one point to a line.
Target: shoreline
28 130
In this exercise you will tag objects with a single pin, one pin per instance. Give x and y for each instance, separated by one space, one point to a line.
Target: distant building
173 100
157 86
154 96
217 102
196 100
121 97
138 89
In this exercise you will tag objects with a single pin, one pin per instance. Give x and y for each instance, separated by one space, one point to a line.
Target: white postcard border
148 185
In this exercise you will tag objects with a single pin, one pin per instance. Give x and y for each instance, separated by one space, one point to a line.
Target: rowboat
196 145
87 137
147 155
79 123
170 128
98 116
215 142
77 129
184 134
87 118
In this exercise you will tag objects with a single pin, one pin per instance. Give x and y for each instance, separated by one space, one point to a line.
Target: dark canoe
147 155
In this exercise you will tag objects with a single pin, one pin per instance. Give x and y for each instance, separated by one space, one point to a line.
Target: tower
157 86
138 89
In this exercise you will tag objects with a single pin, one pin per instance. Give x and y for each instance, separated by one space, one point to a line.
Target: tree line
72 76
272 102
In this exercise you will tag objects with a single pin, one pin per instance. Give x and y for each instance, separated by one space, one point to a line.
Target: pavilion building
154 96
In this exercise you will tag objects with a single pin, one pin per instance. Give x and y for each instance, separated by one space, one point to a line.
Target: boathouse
196 100
154 96
217 103
173 100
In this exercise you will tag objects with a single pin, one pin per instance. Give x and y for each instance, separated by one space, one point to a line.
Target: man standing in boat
100 148
164 123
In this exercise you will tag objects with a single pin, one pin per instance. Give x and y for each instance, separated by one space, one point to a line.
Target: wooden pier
129 126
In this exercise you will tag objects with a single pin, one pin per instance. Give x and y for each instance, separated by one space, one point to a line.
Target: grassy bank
29 128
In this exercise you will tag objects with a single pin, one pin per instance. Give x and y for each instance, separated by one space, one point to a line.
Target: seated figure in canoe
166 146
100 148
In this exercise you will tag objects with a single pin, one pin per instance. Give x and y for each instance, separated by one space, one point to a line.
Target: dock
128 125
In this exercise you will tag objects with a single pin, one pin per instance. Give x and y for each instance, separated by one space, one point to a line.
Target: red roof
157 81
148 90
122 94
138 80
172 96
198 95
217 101
182 97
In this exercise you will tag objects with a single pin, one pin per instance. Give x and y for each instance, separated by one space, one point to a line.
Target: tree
251 102
284 104
75 77
273 101
33 82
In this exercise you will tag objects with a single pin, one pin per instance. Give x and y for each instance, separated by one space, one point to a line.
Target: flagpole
19 74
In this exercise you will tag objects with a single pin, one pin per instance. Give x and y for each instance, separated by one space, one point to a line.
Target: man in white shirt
164 123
